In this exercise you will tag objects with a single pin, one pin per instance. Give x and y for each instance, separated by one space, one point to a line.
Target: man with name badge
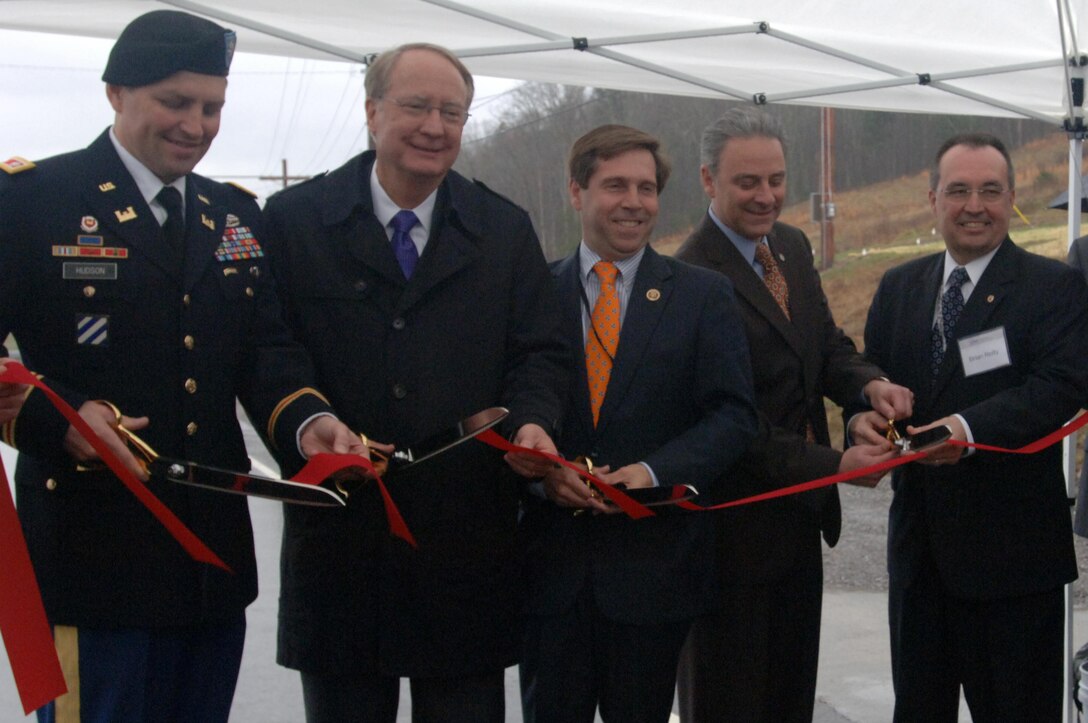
140 293
424 298
994 342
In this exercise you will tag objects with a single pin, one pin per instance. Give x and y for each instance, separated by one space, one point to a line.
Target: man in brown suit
756 658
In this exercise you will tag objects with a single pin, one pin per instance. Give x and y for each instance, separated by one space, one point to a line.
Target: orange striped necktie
773 278
603 336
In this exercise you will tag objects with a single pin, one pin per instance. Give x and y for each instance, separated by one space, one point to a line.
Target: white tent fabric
1002 58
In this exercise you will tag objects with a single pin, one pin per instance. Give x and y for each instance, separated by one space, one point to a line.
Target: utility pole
827 174
284 177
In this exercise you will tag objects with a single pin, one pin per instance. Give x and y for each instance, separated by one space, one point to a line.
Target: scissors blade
242 483
466 429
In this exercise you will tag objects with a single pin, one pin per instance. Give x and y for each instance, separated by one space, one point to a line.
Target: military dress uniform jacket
400 360
99 311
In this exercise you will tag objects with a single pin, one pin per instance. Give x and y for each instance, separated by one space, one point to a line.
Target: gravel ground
859 561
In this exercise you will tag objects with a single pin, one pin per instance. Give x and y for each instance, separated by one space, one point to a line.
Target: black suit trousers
1005 652
374 698
755 658
628 670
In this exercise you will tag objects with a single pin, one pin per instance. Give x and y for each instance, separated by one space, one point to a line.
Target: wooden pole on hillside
827 175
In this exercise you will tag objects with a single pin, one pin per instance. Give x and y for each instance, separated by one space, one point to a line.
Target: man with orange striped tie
661 395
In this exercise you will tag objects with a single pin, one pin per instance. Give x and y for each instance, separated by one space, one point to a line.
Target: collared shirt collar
627 267
385 209
975 269
147 182
746 246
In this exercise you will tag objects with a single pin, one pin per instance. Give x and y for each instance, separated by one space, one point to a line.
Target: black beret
162 42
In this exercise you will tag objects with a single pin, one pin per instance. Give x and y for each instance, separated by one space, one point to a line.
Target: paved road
854 684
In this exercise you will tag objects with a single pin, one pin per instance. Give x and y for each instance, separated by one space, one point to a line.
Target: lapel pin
782 257
204 199
88 224
207 222
127 215
107 186
653 295
990 299
232 220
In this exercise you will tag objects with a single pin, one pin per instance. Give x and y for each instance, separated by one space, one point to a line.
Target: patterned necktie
951 307
173 229
403 246
603 337
773 278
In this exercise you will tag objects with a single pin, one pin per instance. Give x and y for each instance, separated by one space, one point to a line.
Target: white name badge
984 351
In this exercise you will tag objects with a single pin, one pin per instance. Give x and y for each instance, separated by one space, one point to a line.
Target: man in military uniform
412 327
165 308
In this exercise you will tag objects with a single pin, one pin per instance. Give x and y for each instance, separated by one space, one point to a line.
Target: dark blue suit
679 399
990 534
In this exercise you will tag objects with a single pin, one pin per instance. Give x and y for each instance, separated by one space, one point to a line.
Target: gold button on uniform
249 291
189 341
190 385
187 299
50 484
88 291
190 428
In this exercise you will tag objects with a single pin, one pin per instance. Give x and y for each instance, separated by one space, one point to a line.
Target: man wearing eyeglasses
994 342
423 298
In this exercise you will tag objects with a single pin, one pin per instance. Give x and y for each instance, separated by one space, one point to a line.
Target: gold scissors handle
583 459
378 459
892 434
145 454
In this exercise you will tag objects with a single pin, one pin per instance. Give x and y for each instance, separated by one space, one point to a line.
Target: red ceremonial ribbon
18 374
26 632
322 466
489 437
633 509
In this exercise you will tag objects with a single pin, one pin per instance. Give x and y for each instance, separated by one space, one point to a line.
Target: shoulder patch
493 192
243 189
17 164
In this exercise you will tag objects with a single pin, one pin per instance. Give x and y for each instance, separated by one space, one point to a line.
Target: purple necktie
403 247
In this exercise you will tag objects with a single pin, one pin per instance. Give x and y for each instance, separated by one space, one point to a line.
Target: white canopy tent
1012 58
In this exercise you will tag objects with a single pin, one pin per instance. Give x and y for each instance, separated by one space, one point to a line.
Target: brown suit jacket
795 363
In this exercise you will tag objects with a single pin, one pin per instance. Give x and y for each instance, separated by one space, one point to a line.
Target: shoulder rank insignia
17 164
243 189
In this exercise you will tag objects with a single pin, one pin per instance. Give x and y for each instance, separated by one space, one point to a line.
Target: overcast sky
309 112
